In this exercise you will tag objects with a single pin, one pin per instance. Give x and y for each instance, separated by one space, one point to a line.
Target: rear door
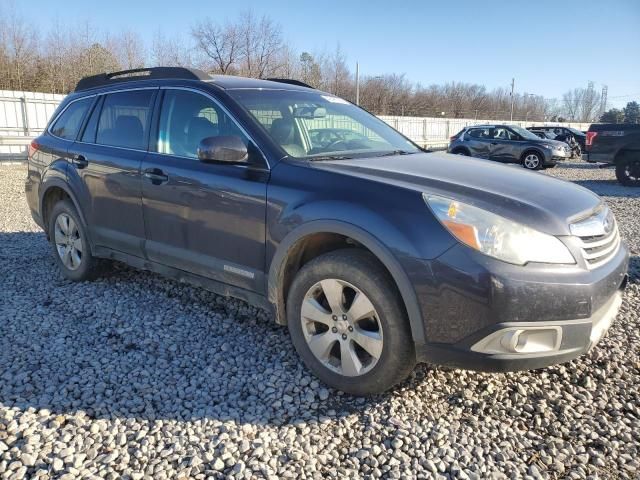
207 219
478 141
106 169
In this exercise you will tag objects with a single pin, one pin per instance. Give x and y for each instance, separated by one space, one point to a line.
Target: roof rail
290 81
104 79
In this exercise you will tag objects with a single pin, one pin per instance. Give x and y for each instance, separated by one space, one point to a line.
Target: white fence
23 116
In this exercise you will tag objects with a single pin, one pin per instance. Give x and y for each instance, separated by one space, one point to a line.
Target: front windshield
574 131
524 133
317 126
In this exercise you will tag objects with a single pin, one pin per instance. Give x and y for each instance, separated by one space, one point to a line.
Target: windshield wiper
395 152
329 157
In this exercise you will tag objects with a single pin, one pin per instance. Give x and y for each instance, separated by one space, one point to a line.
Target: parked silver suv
509 144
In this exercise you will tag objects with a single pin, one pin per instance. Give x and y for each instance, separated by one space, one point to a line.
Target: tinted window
186 118
124 120
69 123
89 134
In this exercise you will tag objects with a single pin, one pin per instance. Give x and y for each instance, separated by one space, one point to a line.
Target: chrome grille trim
596 244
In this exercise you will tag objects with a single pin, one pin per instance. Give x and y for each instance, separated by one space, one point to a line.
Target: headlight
497 236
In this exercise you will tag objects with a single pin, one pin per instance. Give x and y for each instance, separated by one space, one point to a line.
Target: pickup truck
619 145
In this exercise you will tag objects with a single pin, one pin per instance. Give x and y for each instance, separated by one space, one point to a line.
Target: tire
628 171
532 160
350 274
69 243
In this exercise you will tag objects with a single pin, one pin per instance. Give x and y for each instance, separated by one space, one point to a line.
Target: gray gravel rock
137 376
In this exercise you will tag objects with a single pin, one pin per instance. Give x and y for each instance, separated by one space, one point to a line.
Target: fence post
448 129
424 130
25 117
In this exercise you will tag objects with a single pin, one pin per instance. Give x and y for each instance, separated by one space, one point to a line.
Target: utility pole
357 84
513 84
603 100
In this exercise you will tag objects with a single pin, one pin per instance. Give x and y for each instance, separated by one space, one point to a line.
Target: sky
549 47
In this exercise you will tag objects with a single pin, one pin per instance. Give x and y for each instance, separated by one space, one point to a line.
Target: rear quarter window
68 124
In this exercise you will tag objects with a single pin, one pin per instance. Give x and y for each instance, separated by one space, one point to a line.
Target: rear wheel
532 161
69 241
348 324
461 151
628 171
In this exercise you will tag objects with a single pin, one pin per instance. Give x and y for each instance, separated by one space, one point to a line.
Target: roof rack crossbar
155 73
290 81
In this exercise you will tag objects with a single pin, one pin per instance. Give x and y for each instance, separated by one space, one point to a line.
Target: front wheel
348 324
628 171
532 161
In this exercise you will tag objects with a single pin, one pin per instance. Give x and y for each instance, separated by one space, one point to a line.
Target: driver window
186 118
501 134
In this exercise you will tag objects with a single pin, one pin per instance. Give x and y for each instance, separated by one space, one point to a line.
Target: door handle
79 161
156 176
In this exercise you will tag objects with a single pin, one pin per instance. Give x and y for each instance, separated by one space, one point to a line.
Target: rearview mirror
229 149
309 112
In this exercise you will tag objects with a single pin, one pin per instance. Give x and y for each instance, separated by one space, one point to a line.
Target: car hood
530 198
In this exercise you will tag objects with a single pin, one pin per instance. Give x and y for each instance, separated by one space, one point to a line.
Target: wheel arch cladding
288 253
53 191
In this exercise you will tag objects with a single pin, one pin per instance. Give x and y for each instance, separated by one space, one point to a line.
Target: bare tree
170 52
129 50
220 44
260 44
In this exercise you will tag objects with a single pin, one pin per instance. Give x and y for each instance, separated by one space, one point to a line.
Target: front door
503 145
207 219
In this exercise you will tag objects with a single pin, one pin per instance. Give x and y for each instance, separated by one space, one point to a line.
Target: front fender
368 240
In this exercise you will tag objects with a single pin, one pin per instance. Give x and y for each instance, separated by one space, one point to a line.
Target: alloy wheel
341 327
68 242
532 161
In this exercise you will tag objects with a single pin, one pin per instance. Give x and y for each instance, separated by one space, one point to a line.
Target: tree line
255 46
629 114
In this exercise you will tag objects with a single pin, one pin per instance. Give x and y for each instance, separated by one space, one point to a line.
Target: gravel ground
134 376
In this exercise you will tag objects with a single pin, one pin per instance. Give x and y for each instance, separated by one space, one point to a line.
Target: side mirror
227 149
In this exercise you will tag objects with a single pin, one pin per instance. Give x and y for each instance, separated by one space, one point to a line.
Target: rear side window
69 123
124 120
479 133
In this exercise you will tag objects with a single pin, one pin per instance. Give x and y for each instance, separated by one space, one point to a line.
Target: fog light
519 340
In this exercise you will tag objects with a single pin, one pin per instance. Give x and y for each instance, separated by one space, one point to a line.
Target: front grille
599 238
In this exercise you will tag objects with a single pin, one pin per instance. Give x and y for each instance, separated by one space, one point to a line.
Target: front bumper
483 314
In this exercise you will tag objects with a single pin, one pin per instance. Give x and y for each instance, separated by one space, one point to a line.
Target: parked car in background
564 133
375 254
508 144
616 144
545 135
